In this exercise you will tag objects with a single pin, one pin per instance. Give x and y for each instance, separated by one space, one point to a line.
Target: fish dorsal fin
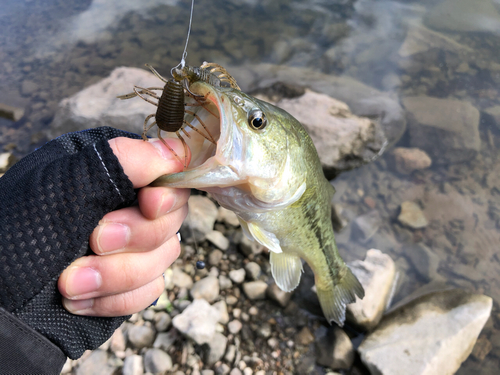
264 237
286 270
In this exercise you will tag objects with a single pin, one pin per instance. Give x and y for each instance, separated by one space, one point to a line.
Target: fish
264 167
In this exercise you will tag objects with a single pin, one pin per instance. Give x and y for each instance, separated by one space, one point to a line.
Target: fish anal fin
286 270
265 238
334 300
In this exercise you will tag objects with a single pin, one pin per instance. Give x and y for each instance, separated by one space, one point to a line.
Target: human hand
133 245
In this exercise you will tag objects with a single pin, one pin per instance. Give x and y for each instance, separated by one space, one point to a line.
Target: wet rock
96 363
181 279
344 141
412 216
97 104
7 160
425 261
447 129
228 217
218 239
333 348
157 361
464 16
304 337
365 226
198 321
11 113
162 321
276 294
407 160
221 306
433 334
201 217
164 340
141 336
215 257
225 282
255 289
216 348
420 39
133 365
494 113
376 273
207 288
252 270
237 276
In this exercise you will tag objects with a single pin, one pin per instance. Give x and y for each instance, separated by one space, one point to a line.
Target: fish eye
256 119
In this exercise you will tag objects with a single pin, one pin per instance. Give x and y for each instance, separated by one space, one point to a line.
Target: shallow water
52 49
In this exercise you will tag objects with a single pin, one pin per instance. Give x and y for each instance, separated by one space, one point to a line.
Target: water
52 49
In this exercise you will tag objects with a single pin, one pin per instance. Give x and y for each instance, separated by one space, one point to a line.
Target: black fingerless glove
50 202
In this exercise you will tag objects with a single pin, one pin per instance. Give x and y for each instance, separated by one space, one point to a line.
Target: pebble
411 215
228 217
222 369
304 337
202 215
141 336
237 276
217 348
247 371
264 330
225 282
255 289
181 279
235 371
164 340
157 361
218 239
234 326
148 315
230 354
407 160
215 257
334 348
231 300
207 288
162 321
133 365
221 306
207 372
253 311
118 342
425 261
96 363
252 270
276 294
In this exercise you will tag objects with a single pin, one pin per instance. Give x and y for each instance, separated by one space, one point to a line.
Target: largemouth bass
265 168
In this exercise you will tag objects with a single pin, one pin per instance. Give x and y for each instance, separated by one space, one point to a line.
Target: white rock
198 321
218 239
431 335
217 348
255 289
141 336
376 273
234 326
157 361
181 279
222 307
333 348
201 217
228 217
98 105
237 276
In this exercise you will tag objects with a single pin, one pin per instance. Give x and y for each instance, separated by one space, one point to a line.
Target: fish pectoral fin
265 238
286 270
244 227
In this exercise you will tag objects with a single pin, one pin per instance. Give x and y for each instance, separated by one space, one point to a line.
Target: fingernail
112 237
168 201
164 151
78 307
82 280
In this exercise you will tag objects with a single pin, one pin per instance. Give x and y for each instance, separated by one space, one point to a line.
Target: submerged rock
376 273
431 335
98 105
411 215
407 160
447 129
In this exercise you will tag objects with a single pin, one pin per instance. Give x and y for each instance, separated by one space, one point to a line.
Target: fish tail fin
334 300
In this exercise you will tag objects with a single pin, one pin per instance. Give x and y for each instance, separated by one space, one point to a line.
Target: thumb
143 162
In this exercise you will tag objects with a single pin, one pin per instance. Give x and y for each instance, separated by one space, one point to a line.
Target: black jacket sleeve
51 201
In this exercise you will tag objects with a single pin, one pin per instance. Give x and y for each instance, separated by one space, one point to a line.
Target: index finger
143 162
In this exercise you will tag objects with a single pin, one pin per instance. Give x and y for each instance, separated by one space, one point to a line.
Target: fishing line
184 54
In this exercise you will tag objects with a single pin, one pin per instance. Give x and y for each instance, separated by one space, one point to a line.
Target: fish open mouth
208 134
